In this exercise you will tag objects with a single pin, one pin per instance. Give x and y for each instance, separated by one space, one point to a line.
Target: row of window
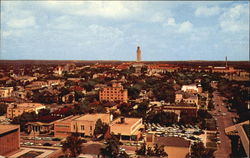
82 127
111 95
115 98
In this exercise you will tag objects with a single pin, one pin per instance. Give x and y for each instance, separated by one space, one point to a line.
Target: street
224 119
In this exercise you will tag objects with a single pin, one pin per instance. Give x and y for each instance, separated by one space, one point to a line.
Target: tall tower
226 61
138 54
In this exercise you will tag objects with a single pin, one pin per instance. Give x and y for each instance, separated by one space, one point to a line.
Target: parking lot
187 132
40 141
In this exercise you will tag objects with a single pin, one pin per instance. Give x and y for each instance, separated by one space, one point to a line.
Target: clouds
183 27
114 9
112 29
22 23
235 19
207 11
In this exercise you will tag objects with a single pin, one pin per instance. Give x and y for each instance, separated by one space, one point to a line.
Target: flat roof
7 128
127 122
66 119
91 117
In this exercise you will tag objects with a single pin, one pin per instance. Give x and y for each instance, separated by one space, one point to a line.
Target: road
223 121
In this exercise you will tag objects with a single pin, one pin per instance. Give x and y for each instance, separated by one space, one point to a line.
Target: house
127 128
175 147
9 139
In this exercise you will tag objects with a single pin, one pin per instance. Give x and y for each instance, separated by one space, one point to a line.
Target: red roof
62 111
76 88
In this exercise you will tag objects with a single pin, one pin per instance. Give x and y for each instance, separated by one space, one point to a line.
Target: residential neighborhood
150 111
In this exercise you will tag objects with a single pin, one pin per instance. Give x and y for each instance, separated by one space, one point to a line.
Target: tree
72 147
112 149
142 150
44 112
100 128
199 151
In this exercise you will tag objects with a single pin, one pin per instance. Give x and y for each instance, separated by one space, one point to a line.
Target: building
127 128
114 93
175 147
241 132
190 109
36 128
192 88
186 98
6 92
83 124
9 139
17 109
161 68
138 54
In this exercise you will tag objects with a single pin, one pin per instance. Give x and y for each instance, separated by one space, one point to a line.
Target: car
218 142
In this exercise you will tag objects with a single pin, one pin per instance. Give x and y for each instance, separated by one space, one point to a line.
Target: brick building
9 138
114 93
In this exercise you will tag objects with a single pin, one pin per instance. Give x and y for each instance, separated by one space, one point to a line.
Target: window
91 128
82 127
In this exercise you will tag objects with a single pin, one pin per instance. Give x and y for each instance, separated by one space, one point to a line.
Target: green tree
112 149
199 151
72 147
100 128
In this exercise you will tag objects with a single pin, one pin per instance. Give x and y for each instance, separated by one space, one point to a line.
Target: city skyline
170 31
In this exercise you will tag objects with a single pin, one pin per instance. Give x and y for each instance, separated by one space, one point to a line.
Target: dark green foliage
72 147
199 151
100 128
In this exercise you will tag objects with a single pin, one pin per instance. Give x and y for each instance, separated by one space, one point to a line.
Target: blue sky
111 30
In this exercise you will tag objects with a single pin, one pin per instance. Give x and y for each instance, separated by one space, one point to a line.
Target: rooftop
91 117
127 122
7 128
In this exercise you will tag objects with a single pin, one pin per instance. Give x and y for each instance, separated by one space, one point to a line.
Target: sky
111 30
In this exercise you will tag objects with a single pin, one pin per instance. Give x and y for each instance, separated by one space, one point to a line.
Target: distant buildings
9 139
17 109
114 93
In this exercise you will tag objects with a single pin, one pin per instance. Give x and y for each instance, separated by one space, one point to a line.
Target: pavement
224 148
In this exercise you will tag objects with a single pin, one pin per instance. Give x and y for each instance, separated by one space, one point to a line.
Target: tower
226 61
138 54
